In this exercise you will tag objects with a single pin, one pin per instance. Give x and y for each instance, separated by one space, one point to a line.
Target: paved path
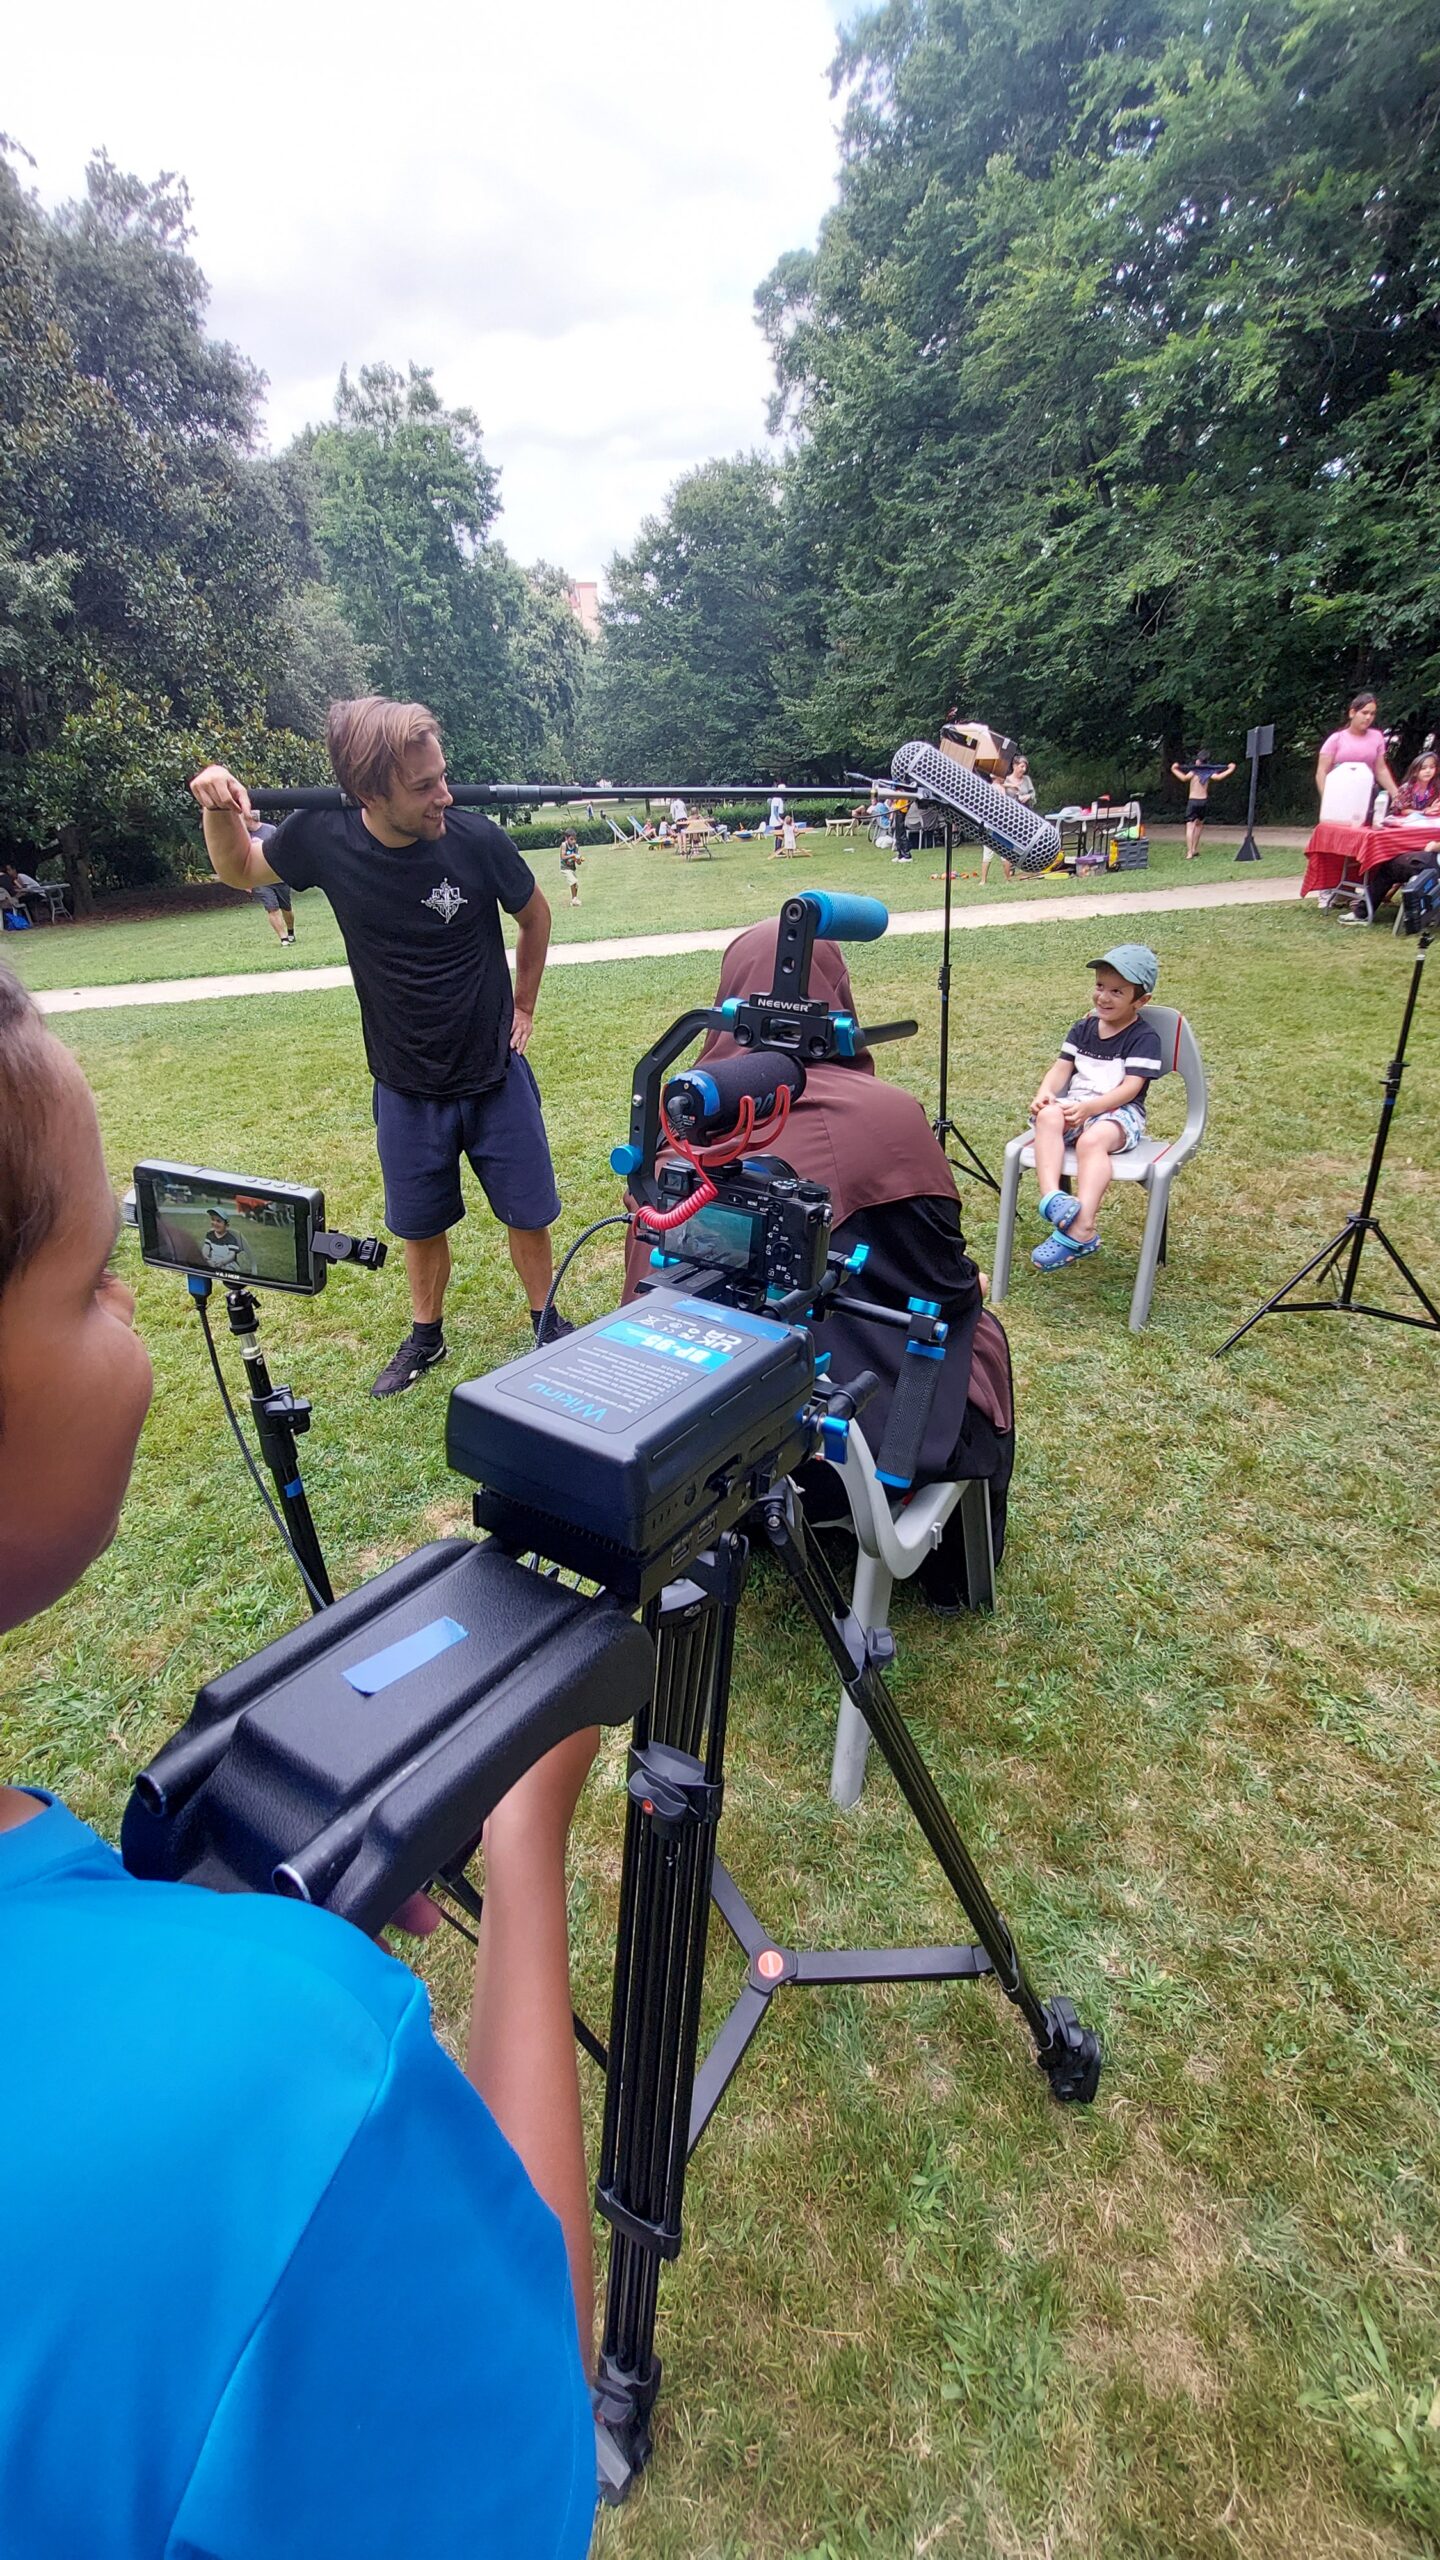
1079 905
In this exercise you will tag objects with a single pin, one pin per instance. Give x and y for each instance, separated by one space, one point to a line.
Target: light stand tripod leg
676 1771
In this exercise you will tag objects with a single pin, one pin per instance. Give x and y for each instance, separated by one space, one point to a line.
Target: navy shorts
503 1134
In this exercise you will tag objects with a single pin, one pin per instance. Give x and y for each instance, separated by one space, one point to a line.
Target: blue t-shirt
276 2288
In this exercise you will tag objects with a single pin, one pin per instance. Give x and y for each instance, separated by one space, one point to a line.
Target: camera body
766 1232
1420 903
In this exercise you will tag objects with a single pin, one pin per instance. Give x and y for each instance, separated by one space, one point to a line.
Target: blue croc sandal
1057 1251
1061 1208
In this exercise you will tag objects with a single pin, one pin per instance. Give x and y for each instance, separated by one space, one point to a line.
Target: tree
141 548
696 664
1113 357
405 499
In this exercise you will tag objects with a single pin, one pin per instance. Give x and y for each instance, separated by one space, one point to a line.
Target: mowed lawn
645 889
921 2309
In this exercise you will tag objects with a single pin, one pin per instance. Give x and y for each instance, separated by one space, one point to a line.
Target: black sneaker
410 1362
556 1328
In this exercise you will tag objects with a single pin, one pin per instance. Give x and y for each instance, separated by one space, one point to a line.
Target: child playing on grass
571 859
1093 1099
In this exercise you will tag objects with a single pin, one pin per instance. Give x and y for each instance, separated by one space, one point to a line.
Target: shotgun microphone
704 1103
1030 842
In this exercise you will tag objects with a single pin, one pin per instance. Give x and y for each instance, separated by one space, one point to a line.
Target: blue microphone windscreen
847 919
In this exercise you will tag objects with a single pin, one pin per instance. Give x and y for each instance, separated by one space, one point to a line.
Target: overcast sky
563 206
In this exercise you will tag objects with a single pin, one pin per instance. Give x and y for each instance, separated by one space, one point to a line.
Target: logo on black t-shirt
446 901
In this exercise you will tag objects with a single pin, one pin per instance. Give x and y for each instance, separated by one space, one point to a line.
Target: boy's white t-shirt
1101 1063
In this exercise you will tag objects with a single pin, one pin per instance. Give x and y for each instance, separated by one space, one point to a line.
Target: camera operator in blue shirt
277 2285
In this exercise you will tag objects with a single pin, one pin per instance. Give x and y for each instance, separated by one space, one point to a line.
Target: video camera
355 1759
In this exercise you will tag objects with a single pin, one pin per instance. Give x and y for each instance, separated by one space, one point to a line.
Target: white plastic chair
893 1538
1154 1162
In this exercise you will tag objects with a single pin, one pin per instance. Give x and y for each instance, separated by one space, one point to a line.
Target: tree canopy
1111 386
167 595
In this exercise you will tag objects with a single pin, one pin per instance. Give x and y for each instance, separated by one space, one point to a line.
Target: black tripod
279 1416
657 2104
943 1126
1349 1244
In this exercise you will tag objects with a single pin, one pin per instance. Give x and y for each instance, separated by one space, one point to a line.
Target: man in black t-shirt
417 887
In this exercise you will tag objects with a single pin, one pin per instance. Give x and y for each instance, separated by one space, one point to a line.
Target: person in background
1362 742
1417 797
679 815
571 858
1018 783
892 1189
281 2283
775 821
900 828
1419 793
276 898
1199 774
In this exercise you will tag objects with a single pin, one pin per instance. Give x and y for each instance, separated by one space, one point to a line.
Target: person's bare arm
1181 772
1053 1084
1224 773
224 805
531 944
1386 779
1095 1106
1322 767
521 2054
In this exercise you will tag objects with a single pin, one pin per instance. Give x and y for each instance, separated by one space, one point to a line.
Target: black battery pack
354 1758
627 1446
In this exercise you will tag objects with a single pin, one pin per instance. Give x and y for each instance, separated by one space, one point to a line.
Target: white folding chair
1154 1163
894 1536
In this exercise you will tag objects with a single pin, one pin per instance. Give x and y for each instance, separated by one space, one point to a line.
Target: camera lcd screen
723 1239
259 1233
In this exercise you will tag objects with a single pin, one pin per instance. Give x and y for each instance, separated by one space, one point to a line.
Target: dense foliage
167 595
1111 386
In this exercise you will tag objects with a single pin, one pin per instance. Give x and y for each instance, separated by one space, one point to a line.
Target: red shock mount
664 1222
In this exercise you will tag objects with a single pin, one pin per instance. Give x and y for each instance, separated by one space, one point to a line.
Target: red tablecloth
1332 850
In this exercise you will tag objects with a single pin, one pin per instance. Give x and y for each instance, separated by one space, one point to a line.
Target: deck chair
893 1538
1154 1163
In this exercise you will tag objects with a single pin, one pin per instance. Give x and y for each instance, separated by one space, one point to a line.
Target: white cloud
563 207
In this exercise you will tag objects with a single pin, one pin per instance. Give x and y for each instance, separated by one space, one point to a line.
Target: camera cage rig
355 1759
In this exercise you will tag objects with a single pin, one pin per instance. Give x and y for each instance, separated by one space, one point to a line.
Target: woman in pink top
1361 741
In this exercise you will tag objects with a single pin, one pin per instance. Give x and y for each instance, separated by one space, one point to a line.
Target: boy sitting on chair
1093 1099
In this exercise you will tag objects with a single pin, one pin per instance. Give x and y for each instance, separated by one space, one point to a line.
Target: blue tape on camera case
379 1670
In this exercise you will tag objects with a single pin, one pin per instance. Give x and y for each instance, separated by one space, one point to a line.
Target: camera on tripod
356 1759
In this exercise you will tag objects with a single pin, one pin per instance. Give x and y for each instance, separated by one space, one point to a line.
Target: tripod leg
676 1772
1408 1276
1068 2053
1321 1263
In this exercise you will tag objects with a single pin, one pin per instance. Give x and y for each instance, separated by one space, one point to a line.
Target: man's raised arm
224 808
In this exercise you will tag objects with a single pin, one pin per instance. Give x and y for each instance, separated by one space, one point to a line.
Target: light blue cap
1133 960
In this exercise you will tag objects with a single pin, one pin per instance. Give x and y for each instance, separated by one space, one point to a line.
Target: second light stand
1349 1244
942 1124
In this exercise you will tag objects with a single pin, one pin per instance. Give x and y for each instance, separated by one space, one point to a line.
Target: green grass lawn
921 2309
647 890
